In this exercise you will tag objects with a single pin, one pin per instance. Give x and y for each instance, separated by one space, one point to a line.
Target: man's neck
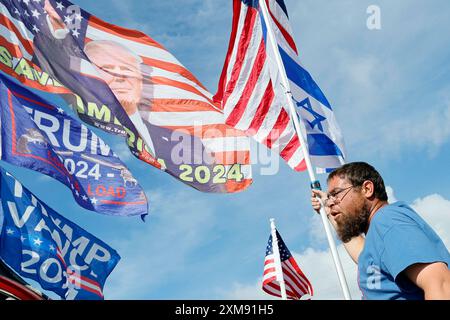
377 205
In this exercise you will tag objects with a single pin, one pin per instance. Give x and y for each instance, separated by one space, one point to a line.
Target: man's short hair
357 173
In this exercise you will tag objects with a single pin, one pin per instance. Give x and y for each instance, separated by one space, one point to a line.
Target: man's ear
368 189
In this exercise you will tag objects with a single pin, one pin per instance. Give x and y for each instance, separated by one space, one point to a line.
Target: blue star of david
318 118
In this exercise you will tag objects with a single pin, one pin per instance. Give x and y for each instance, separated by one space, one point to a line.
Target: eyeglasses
334 195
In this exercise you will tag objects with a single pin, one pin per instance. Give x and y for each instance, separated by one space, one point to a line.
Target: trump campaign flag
124 82
40 136
254 100
290 278
42 245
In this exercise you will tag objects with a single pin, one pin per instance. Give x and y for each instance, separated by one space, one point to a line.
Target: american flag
297 285
253 99
51 45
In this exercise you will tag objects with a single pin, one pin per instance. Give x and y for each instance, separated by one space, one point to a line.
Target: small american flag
297 285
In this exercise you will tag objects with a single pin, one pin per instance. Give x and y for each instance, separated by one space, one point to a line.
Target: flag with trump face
297 285
254 100
40 244
124 82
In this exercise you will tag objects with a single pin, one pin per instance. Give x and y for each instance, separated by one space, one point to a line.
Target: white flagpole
314 181
276 254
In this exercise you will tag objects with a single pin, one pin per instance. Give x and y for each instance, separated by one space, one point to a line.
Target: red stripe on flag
300 272
290 148
28 45
129 34
262 110
180 85
172 67
269 270
301 166
84 287
252 81
269 280
294 278
278 128
218 97
283 31
244 43
234 186
267 261
175 105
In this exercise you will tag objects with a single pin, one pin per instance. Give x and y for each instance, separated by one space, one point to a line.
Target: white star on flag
77 193
35 29
22 238
75 33
9 231
60 110
67 19
35 13
51 247
37 241
93 200
84 197
78 17
59 6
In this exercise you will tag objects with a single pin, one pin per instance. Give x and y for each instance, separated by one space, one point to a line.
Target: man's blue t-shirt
397 238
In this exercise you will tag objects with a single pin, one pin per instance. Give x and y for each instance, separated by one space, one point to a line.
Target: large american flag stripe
248 98
242 69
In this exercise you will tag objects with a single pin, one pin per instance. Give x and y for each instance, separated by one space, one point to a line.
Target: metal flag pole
314 182
276 254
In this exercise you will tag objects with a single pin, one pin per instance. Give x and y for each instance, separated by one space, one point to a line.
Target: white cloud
436 211
318 265
390 194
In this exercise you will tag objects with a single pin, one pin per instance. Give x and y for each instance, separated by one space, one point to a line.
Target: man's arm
356 244
432 278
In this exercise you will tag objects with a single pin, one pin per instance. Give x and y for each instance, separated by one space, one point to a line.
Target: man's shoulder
391 215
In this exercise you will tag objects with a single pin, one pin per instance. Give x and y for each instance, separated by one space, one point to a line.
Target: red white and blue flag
296 283
40 136
40 244
253 99
124 82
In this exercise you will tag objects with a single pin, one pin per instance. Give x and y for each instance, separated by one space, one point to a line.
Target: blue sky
390 90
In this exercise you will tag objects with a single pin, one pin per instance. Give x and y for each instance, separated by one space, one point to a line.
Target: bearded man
399 256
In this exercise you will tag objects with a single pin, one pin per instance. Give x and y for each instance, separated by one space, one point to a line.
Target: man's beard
350 226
